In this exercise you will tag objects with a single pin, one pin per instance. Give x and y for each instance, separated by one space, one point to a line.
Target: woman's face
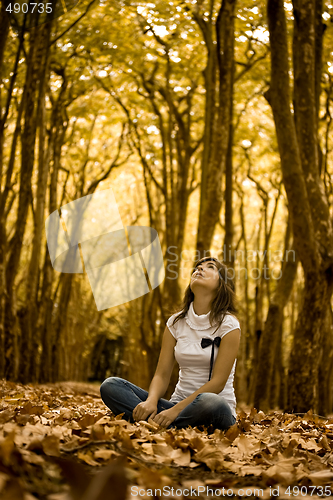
205 275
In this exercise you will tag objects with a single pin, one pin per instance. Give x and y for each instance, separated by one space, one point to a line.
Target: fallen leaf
211 456
181 457
106 454
232 432
87 458
321 478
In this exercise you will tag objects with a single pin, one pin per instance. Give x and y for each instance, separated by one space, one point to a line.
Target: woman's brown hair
225 300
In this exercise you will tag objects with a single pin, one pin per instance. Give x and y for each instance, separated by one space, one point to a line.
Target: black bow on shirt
205 343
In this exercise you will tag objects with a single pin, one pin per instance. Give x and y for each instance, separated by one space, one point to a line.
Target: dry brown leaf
259 417
323 442
312 445
30 409
7 446
3 480
195 483
58 496
109 484
211 456
86 457
150 424
8 428
235 466
232 432
247 445
181 457
86 420
103 420
153 479
32 458
51 446
6 415
148 448
71 444
283 472
65 414
118 422
196 443
321 478
24 419
162 449
12 490
106 454
251 470
98 432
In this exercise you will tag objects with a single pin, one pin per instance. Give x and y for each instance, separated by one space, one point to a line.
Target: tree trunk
27 162
228 250
306 196
34 103
33 346
213 166
45 305
326 365
210 74
243 370
270 335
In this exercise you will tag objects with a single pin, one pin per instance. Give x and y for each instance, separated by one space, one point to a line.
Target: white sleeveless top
193 360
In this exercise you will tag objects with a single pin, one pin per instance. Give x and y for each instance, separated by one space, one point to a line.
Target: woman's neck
202 305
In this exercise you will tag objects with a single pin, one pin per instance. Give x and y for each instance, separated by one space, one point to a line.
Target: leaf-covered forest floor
60 442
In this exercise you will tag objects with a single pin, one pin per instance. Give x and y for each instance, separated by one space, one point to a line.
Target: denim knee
209 399
210 402
109 384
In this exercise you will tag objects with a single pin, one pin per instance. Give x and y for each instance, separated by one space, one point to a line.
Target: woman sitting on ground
204 339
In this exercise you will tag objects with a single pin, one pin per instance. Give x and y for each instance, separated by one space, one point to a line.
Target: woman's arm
161 379
223 364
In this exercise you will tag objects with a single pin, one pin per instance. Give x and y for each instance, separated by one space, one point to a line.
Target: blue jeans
207 408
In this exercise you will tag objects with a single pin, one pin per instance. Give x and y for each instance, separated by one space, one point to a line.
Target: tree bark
28 138
270 335
210 75
45 329
326 365
306 195
228 250
214 164
31 333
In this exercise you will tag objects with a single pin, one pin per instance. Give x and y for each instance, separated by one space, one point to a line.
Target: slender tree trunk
27 162
212 172
4 30
45 304
276 385
326 364
33 109
31 333
209 143
270 335
242 371
228 250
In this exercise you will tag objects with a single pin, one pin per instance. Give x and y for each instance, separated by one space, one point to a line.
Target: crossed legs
121 396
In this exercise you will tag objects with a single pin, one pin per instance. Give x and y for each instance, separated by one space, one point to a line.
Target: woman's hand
165 417
144 409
